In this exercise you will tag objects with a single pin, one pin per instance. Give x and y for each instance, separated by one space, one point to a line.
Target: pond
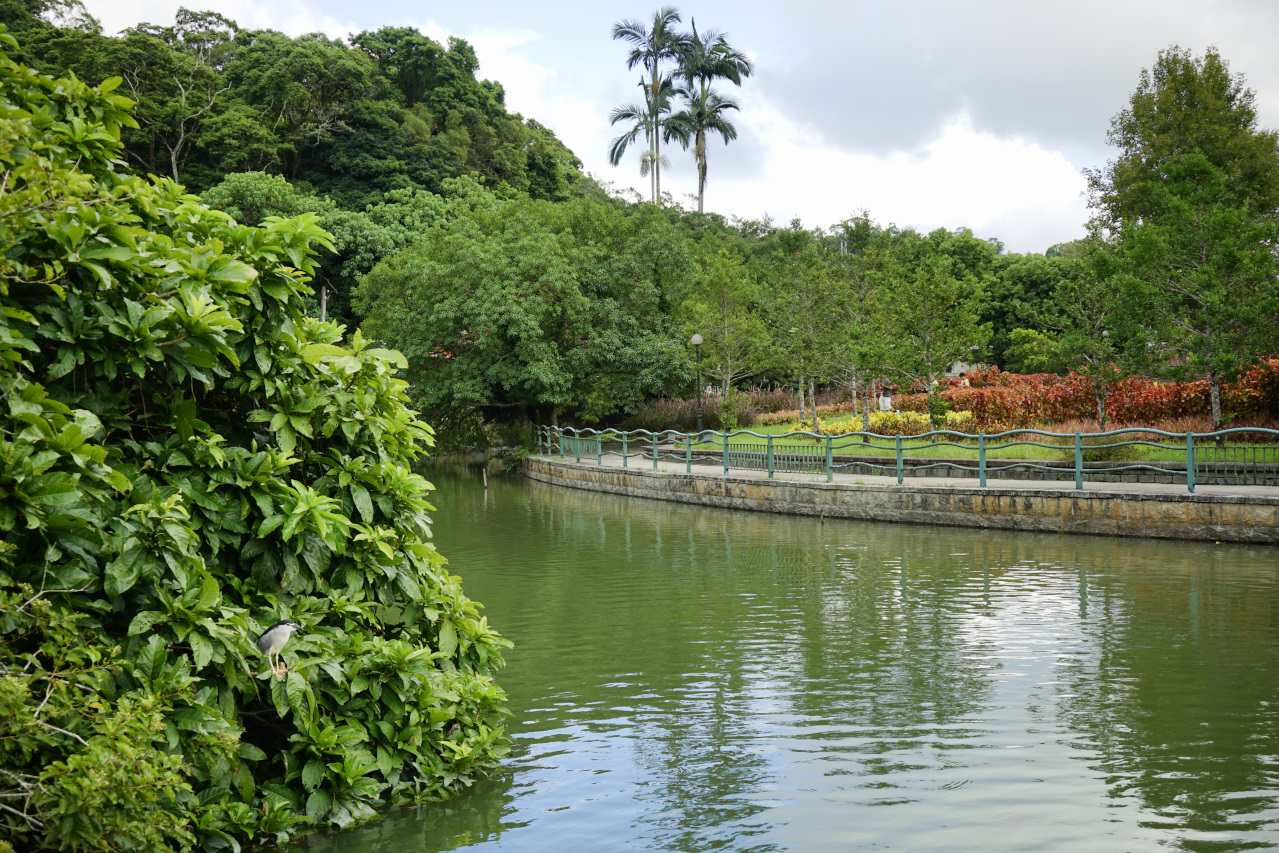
696 679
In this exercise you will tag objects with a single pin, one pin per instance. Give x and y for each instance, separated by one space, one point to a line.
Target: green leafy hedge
184 459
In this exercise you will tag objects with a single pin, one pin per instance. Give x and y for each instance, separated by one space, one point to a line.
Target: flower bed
1014 400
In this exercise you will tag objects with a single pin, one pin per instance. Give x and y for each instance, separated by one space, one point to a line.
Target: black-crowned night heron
272 641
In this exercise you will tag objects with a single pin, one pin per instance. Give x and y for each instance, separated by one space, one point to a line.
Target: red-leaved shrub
1024 400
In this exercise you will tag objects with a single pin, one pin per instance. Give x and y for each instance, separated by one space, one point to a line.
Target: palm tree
703 59
650 47
650 119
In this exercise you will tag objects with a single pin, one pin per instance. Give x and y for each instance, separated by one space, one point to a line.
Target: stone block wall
1223 518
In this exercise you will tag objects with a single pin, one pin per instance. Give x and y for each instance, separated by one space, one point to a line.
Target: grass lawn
1024 446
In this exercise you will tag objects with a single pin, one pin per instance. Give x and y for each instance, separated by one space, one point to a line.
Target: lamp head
696 340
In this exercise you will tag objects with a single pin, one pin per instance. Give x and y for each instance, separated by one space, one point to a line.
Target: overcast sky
925 113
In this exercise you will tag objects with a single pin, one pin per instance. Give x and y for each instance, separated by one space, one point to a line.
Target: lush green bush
184 459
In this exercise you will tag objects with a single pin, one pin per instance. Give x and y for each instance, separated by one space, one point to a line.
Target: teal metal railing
1242 456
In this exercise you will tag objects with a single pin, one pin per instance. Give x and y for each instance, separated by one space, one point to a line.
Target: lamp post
696 341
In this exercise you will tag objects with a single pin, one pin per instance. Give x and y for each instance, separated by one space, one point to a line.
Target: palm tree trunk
700 154
657 166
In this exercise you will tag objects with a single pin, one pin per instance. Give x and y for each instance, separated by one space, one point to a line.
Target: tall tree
652 46
1188 213
936 308
1185 106
857 304
723 307
795 292
650 119
704 59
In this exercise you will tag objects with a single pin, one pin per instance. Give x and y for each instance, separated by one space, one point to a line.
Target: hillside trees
360 238
391 110
184 459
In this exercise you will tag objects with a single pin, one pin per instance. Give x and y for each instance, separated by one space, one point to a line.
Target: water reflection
694 679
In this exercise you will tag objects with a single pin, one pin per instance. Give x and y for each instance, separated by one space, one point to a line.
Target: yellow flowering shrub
890 423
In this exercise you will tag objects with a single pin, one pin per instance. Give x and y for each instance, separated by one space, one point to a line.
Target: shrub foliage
184 459
1023 400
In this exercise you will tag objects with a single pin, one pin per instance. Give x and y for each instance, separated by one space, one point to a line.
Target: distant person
886 389
963 380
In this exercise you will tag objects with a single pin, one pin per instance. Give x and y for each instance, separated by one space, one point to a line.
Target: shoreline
1142 510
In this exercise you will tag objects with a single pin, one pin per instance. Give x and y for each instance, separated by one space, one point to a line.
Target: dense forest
522 291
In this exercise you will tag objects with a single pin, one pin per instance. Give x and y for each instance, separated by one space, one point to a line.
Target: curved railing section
1239 456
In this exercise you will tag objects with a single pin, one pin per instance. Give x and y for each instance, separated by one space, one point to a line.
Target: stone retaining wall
1230 518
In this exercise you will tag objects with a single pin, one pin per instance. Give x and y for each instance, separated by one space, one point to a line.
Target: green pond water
692 679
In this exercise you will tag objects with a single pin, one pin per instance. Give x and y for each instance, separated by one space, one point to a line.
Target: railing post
1190 462
559 441
599 448
1079 461
770 457
624 454
900 473
981 459
726 453
688 453
830 471
654 451
577 445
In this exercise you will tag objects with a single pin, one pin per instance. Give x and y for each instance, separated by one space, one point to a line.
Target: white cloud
1011 189
292 17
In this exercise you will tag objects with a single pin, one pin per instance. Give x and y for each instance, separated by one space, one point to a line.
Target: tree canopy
533 306
1189 215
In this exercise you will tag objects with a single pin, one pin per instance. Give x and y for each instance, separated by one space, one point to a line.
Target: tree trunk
812 399
1214 394
801 398
866 395
1100 391
657 163
652 173
701 170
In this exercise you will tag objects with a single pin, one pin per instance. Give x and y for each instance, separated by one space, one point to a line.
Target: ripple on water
689 679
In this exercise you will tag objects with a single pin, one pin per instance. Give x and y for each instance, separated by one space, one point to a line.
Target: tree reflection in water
693 679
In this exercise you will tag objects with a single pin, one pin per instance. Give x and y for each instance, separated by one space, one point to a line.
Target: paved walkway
714 468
